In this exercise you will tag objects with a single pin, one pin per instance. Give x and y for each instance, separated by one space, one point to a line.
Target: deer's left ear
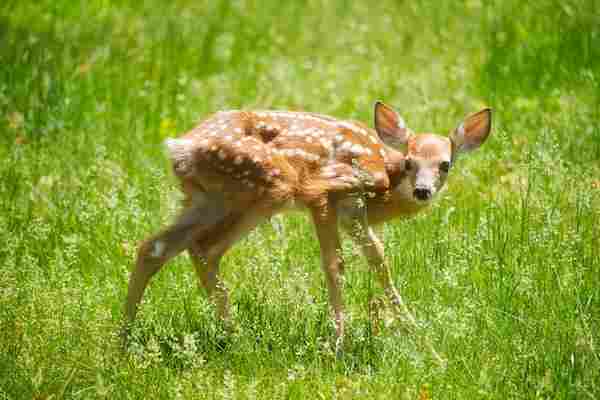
390 126
472 132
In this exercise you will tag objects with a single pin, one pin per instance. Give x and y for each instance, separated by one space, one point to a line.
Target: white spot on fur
313 157
157 249
346 146
347 125
461 130
401 123
325 143
357 148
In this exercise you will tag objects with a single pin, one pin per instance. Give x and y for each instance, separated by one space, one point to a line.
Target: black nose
422 193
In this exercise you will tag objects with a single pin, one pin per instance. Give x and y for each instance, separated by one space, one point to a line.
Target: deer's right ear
390 126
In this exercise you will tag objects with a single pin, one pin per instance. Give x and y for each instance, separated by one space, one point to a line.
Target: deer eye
408 164
445 166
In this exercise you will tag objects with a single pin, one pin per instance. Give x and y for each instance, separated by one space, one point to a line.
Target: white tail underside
179 150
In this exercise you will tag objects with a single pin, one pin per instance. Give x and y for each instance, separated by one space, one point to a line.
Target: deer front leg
357 224
373 250
325 222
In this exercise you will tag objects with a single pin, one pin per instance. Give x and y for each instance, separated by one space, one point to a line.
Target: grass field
503 272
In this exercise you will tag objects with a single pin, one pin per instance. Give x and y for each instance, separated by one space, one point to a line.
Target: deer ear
472 132
390 126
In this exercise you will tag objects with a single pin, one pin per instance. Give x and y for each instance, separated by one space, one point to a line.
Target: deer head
429 157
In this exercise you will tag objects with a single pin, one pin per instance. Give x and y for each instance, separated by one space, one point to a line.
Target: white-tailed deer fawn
238 168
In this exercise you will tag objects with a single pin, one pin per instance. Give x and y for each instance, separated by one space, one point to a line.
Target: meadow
503 273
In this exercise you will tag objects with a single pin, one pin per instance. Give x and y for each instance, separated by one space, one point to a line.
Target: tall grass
504 272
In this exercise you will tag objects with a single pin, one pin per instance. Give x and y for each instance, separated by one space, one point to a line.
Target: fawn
238 168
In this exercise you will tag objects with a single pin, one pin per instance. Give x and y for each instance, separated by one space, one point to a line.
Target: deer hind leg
207 250
325 222
160 248
208 278
207 270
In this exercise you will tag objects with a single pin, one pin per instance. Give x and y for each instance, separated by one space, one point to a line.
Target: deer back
289 155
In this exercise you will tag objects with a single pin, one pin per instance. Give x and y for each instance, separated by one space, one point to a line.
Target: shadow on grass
263 336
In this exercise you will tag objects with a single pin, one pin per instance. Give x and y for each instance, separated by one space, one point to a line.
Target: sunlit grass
503 272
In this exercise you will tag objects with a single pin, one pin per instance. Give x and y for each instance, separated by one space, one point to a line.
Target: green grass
504 272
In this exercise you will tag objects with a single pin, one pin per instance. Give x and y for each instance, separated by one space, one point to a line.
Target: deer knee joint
213 254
